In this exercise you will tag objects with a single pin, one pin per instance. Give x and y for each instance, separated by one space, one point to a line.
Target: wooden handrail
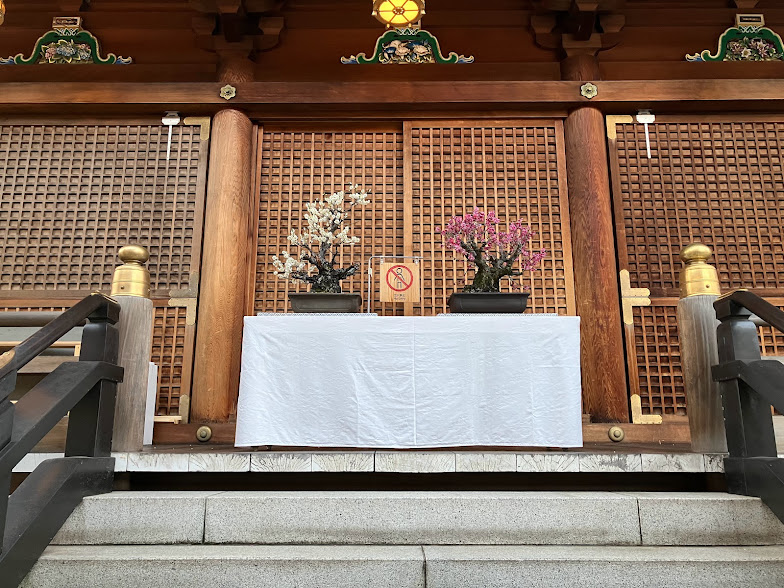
13 318
757 306
749 386
95 306
32 515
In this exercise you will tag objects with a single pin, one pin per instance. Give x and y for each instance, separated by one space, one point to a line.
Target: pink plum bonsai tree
495 253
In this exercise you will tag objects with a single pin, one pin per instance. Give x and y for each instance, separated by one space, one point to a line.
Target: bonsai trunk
325 283
487 279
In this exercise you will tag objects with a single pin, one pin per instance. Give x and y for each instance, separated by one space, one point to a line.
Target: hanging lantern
398 13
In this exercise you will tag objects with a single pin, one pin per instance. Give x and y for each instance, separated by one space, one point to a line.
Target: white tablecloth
404 382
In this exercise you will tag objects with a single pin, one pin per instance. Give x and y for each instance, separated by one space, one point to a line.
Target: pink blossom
477 237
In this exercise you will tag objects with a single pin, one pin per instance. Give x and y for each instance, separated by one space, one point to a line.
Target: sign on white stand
152 391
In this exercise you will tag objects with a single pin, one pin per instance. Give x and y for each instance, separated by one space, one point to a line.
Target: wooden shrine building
529 107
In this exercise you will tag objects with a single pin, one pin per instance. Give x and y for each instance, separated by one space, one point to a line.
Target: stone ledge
404 462
407 567
599 567
256 566
410 518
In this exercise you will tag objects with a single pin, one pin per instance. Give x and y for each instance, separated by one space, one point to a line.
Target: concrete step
406 566
414 518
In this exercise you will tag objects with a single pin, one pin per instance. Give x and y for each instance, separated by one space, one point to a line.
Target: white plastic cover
404 382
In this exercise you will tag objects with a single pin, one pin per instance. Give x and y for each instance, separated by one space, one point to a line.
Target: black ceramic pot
488 302
322 302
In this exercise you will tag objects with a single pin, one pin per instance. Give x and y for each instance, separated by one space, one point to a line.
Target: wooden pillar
593 247
234 64
131 289
697 325
223 269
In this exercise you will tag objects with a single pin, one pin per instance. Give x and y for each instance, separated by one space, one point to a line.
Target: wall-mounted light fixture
398 13
170 119
645 117
2 12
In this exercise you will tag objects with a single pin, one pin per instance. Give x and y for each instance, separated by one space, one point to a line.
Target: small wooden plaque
399 282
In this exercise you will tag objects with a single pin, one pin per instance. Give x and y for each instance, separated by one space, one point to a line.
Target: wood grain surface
224 262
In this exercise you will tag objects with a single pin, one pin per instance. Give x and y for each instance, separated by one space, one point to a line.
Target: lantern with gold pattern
399 13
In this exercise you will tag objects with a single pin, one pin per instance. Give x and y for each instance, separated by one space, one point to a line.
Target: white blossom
325 232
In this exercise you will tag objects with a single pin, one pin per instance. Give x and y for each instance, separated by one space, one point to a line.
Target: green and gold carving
748 40
67 44
409 45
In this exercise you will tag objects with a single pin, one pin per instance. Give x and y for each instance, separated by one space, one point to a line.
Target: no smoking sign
399 282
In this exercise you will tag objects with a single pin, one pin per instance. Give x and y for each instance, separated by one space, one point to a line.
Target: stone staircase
415 539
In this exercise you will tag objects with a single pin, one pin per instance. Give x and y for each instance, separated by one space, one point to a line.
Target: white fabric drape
408 382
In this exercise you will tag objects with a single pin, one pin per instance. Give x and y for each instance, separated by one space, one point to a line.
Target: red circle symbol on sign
399 275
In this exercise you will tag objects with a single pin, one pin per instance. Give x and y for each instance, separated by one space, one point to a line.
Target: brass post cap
696 252
133 254
698 277
132 278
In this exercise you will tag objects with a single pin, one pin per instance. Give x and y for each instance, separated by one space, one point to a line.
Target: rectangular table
410 382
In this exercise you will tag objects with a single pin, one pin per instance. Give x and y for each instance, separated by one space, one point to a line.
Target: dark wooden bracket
578 27
236 30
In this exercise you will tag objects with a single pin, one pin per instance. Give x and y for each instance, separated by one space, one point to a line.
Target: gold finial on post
698 277
132 278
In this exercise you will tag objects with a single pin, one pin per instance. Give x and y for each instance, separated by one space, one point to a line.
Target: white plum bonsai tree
494 253
321 241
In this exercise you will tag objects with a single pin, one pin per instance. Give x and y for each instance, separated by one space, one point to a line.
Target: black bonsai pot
325 302
488 302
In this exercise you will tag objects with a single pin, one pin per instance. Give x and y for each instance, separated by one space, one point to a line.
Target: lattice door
299 164
418 178
71 194
514 167
717 180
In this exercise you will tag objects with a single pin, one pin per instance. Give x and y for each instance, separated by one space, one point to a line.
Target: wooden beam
594 434
222 292
605 396
769 91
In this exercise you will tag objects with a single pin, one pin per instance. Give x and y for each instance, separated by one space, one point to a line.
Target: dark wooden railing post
746 414
7 385
749 387
91 420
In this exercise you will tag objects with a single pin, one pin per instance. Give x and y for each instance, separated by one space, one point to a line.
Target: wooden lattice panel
20 307
772 340
169 335
515 168
298 166
659 372
717 182
168 349
72 195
